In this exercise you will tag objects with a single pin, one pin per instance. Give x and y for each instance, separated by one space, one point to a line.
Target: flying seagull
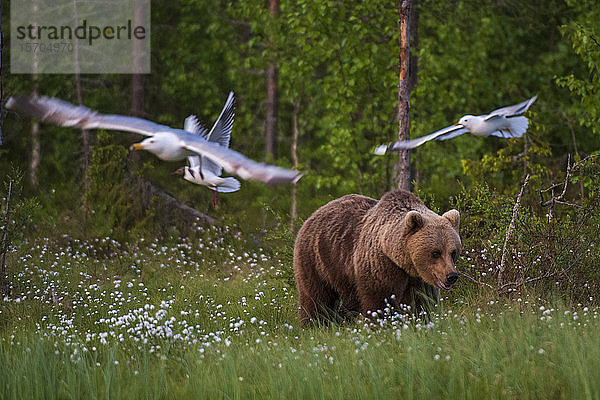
169 144
201 170
502 122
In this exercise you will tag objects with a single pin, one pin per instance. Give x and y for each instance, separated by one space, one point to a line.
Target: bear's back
328 237
337 220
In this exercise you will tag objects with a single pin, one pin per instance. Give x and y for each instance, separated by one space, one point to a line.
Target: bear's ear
414 221
454 217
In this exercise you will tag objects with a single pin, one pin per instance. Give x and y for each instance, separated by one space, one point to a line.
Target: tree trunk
509 230
36 152
137 95
1 97
271 107
147 190
85 134
4 285
86 150
402 167
294 211
137 79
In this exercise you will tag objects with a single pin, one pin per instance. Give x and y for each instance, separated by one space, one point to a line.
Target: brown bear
358 255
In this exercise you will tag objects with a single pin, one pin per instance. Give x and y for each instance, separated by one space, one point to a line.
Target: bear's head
426 245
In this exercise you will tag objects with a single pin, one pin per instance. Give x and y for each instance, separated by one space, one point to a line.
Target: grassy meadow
206 317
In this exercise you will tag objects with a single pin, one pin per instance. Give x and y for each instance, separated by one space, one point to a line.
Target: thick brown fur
355 253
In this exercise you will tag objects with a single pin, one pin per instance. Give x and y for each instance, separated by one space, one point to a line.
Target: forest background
335 67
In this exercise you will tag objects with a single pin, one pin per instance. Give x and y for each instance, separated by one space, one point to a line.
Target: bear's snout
451 278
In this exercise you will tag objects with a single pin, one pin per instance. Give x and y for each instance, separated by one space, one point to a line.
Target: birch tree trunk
36 148
402 167
295 133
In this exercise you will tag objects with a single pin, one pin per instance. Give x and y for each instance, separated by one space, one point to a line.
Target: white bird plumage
502 122
169 144
201 170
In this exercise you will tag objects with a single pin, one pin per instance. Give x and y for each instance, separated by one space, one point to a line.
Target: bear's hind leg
316 306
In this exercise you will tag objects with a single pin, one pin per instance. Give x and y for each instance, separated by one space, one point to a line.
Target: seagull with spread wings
503 122
168 144
201 170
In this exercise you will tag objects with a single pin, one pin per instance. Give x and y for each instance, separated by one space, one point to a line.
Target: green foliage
117 202
341 72
506 168
338 66
552 252
474 57
280 240
108 199
24 211
484 216
587 172
583 34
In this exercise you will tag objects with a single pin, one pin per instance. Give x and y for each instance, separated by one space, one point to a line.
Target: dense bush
554 248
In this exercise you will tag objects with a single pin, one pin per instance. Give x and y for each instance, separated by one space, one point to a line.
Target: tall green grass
509 356
153 321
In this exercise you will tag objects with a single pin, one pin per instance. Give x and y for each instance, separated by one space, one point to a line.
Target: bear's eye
454 255
436 254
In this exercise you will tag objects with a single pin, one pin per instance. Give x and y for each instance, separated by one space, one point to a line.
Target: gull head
467 121
151 144
164 145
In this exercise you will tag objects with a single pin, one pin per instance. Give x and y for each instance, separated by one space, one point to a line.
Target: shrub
550 252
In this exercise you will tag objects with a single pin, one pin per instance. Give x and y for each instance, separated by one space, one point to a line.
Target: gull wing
195 161
503 133
237 164
62 113
443 134
221 130
453 133
220 134
511 111
194 126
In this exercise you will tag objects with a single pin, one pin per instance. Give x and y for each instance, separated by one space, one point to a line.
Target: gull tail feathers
228 185
381 150
518 126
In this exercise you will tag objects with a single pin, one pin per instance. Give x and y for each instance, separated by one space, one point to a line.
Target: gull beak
179 171
136 146
457 124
